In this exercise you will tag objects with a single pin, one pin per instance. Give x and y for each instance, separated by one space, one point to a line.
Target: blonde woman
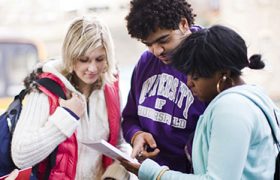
90 113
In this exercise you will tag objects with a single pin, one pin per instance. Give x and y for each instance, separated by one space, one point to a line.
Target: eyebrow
156 40
101 56
83 57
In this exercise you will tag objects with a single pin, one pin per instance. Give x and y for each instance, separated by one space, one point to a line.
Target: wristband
165 168
134 136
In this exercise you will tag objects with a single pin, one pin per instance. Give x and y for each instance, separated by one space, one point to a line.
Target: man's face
163 41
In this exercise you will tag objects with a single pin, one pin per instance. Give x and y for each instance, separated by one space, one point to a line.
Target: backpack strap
267 118
13 112
56 88
273 133
21 94
254 100
52 86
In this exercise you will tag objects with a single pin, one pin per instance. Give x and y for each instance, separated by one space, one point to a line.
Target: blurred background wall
257 22
47 22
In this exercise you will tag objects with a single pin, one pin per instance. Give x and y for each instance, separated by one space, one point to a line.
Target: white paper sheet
107 149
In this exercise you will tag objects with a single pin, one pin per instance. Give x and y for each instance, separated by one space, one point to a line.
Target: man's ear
184 26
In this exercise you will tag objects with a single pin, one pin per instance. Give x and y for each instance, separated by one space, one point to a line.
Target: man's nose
156 49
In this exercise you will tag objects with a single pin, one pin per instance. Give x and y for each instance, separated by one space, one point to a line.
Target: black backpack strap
273 133
277 162
21 94
56 89
270 125
52 86
14 110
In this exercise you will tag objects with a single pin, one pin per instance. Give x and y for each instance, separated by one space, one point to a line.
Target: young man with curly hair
161 113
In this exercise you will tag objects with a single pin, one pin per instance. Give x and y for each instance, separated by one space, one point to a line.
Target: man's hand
144 146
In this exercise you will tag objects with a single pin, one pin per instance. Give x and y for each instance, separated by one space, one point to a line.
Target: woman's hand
144 146
75 103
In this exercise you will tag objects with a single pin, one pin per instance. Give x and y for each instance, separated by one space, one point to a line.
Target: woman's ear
106 68
226 73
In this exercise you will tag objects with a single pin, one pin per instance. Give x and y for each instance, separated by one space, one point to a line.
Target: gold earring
223 79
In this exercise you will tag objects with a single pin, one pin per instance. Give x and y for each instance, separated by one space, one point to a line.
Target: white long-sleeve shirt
37 133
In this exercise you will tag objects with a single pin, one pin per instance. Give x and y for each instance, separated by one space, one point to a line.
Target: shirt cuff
149 169
65 122
72 113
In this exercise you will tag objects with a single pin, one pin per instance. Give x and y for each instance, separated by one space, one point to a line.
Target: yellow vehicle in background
17 58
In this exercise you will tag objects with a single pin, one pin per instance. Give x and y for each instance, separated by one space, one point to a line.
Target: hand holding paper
107 149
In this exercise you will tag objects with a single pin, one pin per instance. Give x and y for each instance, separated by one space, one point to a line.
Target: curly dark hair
146 16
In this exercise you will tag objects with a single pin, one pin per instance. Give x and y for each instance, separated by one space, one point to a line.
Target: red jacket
67 153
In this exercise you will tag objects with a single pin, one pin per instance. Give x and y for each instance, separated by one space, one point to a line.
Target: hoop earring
222 80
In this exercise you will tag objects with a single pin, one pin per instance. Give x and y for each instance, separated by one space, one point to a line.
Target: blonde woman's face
90 67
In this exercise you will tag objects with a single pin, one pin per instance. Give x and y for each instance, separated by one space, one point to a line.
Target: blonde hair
85 35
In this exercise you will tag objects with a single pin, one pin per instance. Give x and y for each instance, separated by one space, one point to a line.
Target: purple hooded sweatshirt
159 102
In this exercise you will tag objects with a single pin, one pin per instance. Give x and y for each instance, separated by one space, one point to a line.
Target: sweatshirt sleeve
131 124
37 133
151 170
